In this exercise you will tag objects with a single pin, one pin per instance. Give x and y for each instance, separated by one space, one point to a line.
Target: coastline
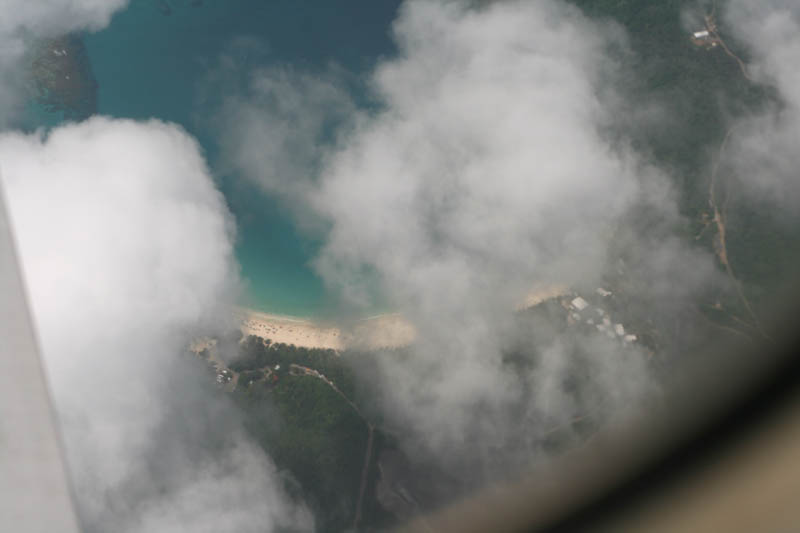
288 329
389 330
381 331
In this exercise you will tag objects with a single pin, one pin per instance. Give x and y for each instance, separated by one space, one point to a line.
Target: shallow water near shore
153 61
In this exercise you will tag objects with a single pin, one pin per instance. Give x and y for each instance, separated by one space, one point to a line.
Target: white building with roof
579 303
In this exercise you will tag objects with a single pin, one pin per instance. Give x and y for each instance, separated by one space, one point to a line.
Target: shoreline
381 331
266 315
386 330
288 329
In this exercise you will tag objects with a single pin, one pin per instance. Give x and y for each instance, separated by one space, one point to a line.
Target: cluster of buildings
582 312
704 38
224 376
707 36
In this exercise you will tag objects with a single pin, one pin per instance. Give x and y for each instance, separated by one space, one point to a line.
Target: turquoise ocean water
154 61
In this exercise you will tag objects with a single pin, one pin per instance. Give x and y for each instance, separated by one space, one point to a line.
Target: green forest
307 427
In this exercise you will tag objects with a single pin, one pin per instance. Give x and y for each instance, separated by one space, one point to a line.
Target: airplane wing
34 488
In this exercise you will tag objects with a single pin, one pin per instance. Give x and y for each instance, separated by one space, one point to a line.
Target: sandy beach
389 330
289 330
381 331
542 293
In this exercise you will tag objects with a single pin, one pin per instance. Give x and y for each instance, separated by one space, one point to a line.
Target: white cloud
127 250
23 21
488 157
279 126
486 168
763 151
53 17
485 174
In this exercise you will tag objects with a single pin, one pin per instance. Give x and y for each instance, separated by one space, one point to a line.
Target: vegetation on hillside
305 425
